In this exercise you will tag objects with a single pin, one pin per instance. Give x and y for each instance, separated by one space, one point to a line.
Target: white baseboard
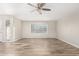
9 40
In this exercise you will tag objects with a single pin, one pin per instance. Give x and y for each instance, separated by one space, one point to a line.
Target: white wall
68 30
2 28
26 32
17 29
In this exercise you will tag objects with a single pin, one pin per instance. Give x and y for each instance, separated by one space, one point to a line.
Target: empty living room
39 29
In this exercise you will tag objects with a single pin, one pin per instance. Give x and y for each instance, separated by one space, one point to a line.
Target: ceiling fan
39 7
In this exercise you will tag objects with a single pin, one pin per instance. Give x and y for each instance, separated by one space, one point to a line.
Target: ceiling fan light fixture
39 7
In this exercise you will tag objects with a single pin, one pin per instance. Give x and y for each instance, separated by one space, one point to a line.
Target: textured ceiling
24 11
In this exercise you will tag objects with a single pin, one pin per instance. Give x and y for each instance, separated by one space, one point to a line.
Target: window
39 28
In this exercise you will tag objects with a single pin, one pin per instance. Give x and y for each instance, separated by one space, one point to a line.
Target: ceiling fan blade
38 4
46 9
42 4
31 5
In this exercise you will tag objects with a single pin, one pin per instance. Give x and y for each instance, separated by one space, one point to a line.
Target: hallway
38 47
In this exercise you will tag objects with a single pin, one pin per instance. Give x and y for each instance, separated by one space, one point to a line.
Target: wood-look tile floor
38 47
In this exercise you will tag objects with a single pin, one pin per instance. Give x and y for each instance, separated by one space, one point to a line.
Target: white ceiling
24 11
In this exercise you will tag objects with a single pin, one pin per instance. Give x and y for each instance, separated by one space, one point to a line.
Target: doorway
8 28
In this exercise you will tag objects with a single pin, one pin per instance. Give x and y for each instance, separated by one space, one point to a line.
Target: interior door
8 30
